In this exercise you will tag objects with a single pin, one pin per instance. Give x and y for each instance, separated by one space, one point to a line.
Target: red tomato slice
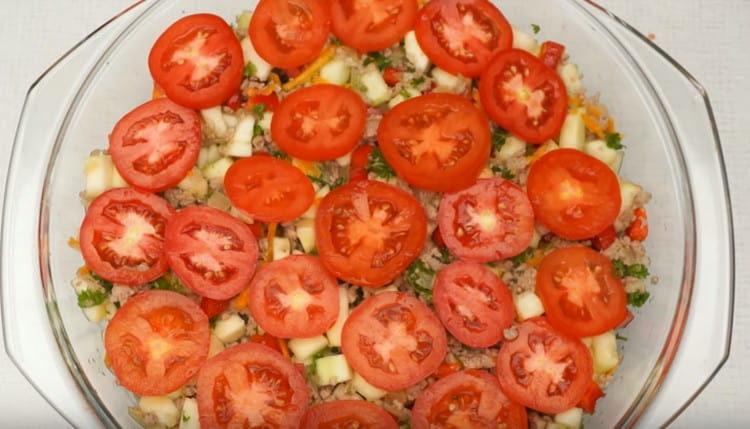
574 195
393 341
251 385
198 61
461 36
294 297
368 232
437 142
268 189
358 166
211 252
270 102
290 33
372 25
552 53
348 414
319 123
267 340
467 399
156 145
156 342
473 303
213 307
490 221
524 96
543 369
581 294
122 236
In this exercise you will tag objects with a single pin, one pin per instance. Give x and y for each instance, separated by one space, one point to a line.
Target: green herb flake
499 136
257 130
259 109
614 141
377 164
637 299
523 257
185 418
377 58
419 276
276 153
168 282
417 81
445 256
536 28
323 183
107 285
405 93
620 337
91 298
623 270
504 172
250 70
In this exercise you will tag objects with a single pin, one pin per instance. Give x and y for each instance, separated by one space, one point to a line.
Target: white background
711 38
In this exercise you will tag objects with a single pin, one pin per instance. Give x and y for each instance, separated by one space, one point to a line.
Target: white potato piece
162 407
230 329
334 333
331 370
528 305
305 348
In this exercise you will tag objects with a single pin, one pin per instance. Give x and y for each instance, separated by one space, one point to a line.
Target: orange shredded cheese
157 92
73 243
270 237
284 348
241 301
310 71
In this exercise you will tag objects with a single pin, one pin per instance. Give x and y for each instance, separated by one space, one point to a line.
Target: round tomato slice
473 303
156 145
581 294
290 33
490 221
393 341
372 25
211 252
461 36
294 297
198 61
543 369
437 142
251 386
574 195
467 399
268 189
319 123
524 96
348 414
122 236
368 232
156 342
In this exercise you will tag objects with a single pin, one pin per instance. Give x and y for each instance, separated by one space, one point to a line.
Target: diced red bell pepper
593 393
213 307
604 239
391 76
552 53
358 164
638 229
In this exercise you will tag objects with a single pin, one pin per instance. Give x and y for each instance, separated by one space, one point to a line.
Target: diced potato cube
376 90
306 234
240 146
230 329
214 119
571 77
98 171
162 407
96 313
415 54
447 82
334 334
528 305
606 357
217 169
265 122
573 133
190 418
117 180
370 392
332 370
599 150
571 418
512 148
262 68
335 72
628 192
194 183
281 248
345 160
215 346
525 41
305 348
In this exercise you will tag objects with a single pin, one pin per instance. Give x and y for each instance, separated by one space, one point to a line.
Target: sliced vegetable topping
372 25
348 414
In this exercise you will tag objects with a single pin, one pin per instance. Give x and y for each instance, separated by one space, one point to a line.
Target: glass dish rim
671 346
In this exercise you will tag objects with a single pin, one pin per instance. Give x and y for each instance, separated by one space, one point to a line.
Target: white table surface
709 37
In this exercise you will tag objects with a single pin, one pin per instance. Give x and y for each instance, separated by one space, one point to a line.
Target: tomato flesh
320 122
574 195
461 36
198 61
437 142
122 236
393 341
489 221
345 414
251 385
368 232
212 252
544 369
372 25
156 145
524 96
156 342
581 294
474 305
467 399
294 297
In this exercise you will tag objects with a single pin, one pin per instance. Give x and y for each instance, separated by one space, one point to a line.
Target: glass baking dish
676 343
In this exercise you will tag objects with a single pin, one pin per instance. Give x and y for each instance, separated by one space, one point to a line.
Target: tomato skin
348 414
479 53
213 307
530 388
267 340
360 208
514 73
106 261
474 289
469 225
574 195
320 122
174 75
360 160
352 22
388 318
180 331
307 21
285 280
200 238
255 373
593 394
413 137
392 76
552 54
268 189
604 239
467 399
131 152
588 277
270 101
